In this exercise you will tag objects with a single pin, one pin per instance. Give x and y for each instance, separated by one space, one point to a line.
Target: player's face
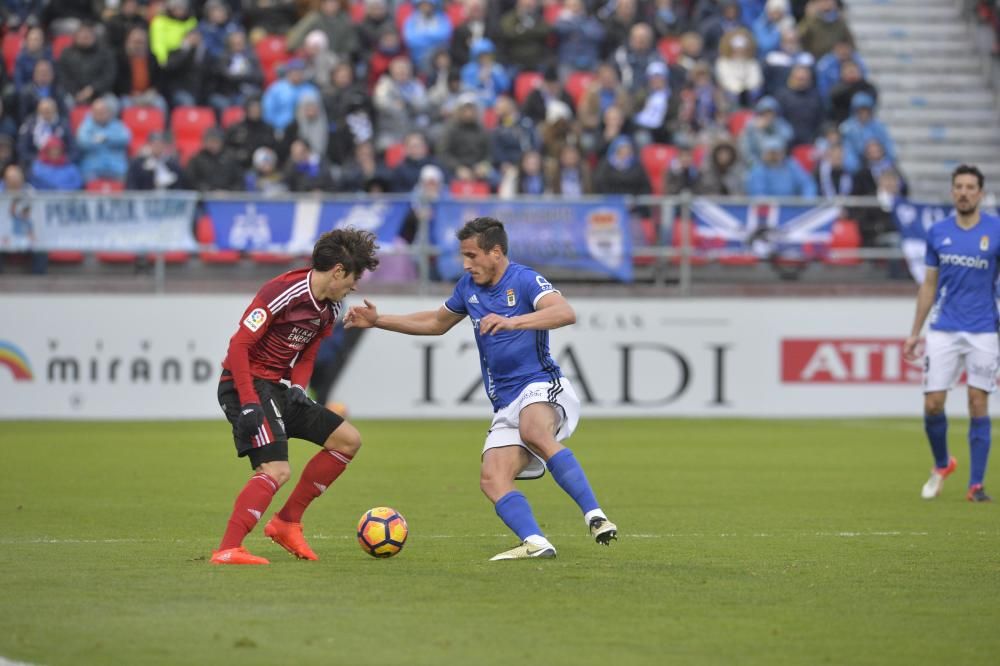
482 265
965 193
338 284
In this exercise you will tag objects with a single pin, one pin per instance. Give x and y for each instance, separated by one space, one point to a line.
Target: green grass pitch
742 542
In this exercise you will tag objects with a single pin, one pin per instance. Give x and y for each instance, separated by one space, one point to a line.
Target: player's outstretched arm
551 311
925 299
428 322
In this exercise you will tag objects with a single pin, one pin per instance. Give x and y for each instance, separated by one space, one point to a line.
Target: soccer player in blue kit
512 308
959 295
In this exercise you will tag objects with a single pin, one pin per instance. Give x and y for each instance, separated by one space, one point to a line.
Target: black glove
250 420
297 395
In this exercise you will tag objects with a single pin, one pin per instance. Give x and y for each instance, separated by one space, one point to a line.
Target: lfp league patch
255 319
511 299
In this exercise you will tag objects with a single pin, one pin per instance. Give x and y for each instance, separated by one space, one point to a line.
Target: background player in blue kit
512 309
959 295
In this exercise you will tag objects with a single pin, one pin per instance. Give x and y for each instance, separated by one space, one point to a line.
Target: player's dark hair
352 248
968 169
488 231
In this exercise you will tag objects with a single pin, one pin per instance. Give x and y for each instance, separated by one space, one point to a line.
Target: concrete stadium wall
129 357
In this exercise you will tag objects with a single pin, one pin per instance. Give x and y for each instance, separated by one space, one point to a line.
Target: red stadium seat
524 84
65 257
219 257
698 154
551 12
846 236
188 124
60 42
805 155
456 13
470 188
489 118
142 121
11 47
232 115
357 11
403 12
271 51
576 85
105 185
116 258
738 120
670 49
395 154
77 115
655 159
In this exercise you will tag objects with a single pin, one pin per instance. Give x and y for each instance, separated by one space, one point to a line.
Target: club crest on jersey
511 299
984 243
255 319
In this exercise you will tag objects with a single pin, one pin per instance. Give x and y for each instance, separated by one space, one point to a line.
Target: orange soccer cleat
238 555
289 536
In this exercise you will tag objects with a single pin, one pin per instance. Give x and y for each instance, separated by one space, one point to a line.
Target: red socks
318 474
250 505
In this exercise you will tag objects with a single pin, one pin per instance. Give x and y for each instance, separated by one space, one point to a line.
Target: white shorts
948 353
504 430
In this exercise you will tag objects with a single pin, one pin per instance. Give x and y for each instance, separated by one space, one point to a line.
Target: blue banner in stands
764 230
118 222
293 227
592 236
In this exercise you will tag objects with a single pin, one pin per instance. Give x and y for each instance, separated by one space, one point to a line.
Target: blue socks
515 512
570 477
979 449
936 427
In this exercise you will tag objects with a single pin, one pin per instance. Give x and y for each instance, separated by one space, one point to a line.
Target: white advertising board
128 357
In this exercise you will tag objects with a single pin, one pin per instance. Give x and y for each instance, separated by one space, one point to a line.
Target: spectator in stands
483 75
570 174
465 146
828 67
425 31
264 176
523 36
8 154
215 27
580 38
404 176
102 140
237 74
778 63
312 127
42 86
244 137
32 50
86 69
41 126
714 28
766 123
16 13
121 22
618 18
52 170
17 194
801 105
65 16
862 127
167 30
319 59
524 178
634 58
156 166
139 75
769 26
557 130
682 174
8 124
700 104
653 106
428 189
362 170
444 84
273 16
349 110
377 21
514 134
213 168
875 162
614 123
282 97
604 91
692 51
307 171
737 70
852 82
777 175
823 26
830 136
723 172
188 72
832 179
669 18
401 103
333 18
537 102
471 30
620 172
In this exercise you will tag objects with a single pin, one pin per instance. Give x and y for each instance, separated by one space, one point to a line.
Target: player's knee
490 484
280 471
345 439
933 405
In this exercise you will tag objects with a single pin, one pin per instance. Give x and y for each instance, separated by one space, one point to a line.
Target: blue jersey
966 260
510 360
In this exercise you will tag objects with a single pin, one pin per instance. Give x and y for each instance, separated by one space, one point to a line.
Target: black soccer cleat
603 530
977 494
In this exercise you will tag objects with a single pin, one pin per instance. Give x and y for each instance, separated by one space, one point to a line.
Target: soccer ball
382 532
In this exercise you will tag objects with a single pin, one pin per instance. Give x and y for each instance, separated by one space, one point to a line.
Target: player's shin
979 449
515 512
250 505
318 474
936 427
570 476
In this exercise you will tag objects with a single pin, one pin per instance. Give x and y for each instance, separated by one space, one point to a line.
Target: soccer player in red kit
277 340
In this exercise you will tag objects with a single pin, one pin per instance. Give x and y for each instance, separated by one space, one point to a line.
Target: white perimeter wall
123 357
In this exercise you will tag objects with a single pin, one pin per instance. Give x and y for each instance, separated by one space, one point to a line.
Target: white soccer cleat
603 530
525 551
934 484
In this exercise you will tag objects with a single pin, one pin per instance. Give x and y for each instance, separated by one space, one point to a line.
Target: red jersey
279 335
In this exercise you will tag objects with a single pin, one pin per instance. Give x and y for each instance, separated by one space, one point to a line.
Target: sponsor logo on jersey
984 243
473 299
965 261
255 319
511 299
543 284
846 361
